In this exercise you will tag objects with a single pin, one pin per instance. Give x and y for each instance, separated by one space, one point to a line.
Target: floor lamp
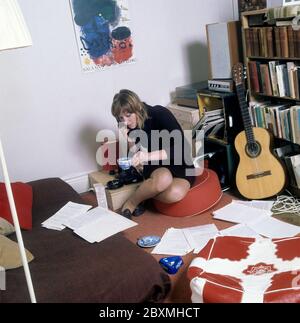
14 34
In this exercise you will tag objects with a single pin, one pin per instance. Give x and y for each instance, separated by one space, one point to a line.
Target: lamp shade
13 30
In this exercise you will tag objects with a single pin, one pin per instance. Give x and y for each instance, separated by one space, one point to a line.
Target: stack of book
187 95
212 123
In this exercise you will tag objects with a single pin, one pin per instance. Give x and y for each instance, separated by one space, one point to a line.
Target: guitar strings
286 204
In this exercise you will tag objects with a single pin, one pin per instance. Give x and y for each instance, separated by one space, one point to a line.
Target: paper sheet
101 223
273 228
239 213
173 243
199 236
263 205
239 230
65 214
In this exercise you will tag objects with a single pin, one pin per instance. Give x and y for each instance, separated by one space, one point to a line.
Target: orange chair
204 194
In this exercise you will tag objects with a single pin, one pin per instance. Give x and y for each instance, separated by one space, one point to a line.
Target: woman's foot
128 205
129 209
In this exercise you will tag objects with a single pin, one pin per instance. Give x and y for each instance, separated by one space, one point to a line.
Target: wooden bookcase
272 60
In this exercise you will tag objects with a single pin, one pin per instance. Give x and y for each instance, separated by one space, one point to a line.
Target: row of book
275 79
283 42
283 120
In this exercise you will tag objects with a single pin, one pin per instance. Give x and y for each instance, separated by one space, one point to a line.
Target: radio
225 85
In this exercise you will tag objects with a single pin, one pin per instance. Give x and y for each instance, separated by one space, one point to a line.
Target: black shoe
139 210
127 214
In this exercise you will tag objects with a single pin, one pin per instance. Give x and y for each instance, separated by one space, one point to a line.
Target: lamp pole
17 225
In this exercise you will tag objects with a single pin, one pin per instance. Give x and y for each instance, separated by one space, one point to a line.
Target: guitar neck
245 114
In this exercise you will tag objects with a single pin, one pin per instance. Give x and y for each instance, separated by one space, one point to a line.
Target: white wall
51 111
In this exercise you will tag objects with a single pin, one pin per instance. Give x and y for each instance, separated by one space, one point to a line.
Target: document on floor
199 236
179 242
263 205
239 213
99 224
272 228
173 243
66 213
240 230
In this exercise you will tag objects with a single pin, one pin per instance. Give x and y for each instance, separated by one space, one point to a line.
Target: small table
115 198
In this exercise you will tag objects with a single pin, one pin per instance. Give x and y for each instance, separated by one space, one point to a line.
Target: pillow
10 257
5 227
23 199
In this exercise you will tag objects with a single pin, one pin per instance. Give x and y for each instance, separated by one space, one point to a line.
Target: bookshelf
272 59
220 145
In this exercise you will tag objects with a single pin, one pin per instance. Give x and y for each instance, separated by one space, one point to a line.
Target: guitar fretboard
245 114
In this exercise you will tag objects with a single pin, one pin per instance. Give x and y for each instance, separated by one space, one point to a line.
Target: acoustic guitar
259 175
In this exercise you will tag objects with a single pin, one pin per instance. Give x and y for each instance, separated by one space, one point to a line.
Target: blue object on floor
171 264
148 241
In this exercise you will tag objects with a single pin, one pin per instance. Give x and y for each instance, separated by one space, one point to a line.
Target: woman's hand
140 158
123 133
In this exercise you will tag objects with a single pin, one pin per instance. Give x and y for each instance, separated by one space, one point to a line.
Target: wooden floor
154 223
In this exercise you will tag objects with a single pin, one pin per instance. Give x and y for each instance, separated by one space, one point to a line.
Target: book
291 41
270 42
277 42
273 76
284 42
281 23
295 161
265 76
253 77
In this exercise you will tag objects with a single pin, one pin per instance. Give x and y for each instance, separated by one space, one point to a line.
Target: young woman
165 168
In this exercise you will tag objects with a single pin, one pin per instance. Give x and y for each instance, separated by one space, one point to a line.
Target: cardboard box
115 198
187 117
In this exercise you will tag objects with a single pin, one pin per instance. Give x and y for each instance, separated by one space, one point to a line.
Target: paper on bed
67 212
101 223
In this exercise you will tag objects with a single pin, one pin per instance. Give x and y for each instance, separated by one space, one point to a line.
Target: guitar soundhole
253 149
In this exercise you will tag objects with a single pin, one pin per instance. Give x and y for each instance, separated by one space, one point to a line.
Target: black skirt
176 170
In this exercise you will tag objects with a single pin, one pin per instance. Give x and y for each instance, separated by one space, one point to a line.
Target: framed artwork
103 33
290 2
248 5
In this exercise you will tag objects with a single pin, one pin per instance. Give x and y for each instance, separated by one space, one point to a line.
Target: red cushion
23 199
246 270
204 194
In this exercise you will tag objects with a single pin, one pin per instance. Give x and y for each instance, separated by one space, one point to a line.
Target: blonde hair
127 101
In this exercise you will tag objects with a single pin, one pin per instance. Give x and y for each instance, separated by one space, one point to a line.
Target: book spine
284 42
256 42
249 51
291 41
277 42
254 83
270 42
273 75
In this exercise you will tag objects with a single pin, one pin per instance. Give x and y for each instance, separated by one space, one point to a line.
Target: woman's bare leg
175 192
158 182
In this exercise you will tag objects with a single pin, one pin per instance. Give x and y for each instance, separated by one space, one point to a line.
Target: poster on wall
103 33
